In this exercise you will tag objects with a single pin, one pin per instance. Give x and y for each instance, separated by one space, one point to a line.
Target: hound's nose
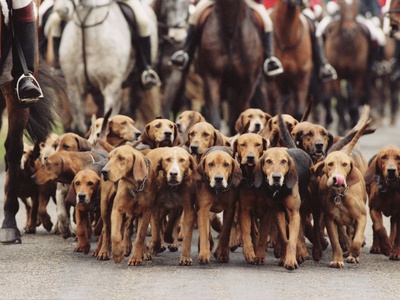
319 146
250 159
173 174
167 134
218 179
105 172
81 198
391 171
194 148
276 177
137 134
257 126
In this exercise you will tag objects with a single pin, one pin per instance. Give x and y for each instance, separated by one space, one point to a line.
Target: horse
229 59
96 54
293 48
35 120
172 16
347 49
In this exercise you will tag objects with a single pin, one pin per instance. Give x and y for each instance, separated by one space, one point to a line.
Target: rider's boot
149 77
396 63
272 65
27 87
376 54
325 70
56 49
182 58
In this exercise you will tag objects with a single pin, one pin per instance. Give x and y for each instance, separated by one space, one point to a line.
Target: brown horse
230 58
293 48
36 119
347 49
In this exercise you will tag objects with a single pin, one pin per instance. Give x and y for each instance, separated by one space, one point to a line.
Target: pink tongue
339 180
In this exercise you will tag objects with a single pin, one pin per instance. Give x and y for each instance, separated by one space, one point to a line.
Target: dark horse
172 16
347 49
229 59
293 48
37 120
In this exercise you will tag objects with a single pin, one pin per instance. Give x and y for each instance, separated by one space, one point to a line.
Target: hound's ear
318 169
354 176
291 177
199 175
269 124
193 163
330 141
258 173
140 170
265 144
236 173
298 137
267 116
83 144
146 139
71 195
274 138
235 150
177 137
239 124
159 166
218 138
373 169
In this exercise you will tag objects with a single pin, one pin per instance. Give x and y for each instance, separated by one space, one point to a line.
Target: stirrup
155 79
179 59
331 70
34 81
275 72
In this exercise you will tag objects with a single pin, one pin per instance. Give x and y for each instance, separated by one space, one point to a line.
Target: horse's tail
42 115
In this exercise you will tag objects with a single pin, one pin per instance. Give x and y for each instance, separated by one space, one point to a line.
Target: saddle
254 17
129 17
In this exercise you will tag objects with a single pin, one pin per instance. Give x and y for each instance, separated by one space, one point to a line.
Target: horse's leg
340 107
173 93
212 94
78 124
394 87
357 94
112 97
17 120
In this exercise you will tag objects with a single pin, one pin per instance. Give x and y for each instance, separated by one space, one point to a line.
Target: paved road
44 266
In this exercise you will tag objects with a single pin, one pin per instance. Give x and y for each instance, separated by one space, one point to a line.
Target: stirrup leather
34 81
275 72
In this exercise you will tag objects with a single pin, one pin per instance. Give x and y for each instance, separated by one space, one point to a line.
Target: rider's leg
396 64
324 70
24 23
149 77
53 27
182 58
272 65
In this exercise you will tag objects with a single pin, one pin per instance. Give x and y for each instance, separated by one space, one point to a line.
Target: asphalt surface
45 266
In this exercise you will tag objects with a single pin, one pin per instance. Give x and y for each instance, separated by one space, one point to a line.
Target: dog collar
133 192
339 196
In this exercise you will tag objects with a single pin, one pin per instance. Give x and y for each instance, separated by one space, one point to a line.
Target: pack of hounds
275 183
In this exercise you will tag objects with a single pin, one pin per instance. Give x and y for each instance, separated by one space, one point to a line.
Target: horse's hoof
10 236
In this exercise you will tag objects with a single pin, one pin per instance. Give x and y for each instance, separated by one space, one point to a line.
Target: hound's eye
258 145
171 126
182 160
120 158
344 164
191 134
123 123
323 133
57 164
158 125
226 165
268 162
250 116
330 164
66 147
211 165
242 145
90 183
384 157
168 159
77 183
309 134
41 145
397 157
284 161
205 134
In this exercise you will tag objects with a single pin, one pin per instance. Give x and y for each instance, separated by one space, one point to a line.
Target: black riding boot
182 58
396 63
28 89
272 65
325 71
376 55
149 77
56 49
